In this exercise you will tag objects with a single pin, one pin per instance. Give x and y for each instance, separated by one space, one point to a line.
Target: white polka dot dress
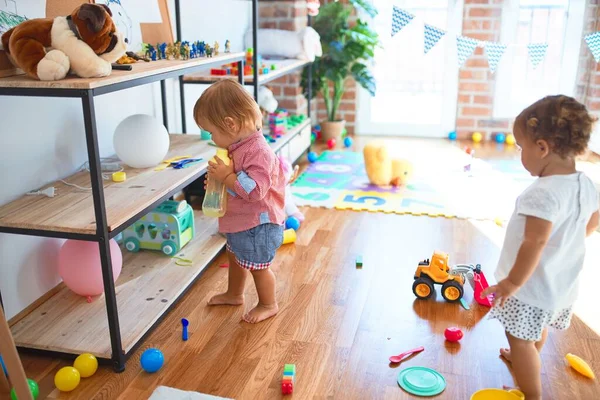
527 322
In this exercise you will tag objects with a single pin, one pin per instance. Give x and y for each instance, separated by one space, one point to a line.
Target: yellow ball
510 139
86 364
67 379
477 137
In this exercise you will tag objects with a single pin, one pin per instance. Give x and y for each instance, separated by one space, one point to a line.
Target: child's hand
219 170
502 291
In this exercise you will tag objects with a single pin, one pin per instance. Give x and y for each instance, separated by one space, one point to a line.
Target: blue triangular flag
593 42
494 52
537 52
400 19
432 36
465 46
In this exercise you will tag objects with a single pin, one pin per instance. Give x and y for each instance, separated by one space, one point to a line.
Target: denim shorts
255 248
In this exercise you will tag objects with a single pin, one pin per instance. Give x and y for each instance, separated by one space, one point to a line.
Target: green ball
33 388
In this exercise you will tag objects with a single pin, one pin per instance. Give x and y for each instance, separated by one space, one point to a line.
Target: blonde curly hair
560 120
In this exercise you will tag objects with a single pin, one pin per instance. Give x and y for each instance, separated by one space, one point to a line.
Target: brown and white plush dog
85 42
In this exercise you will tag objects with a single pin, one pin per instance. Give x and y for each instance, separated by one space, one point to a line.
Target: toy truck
438 271
167 228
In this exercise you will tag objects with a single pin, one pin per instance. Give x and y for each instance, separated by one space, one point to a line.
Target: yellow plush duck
382 170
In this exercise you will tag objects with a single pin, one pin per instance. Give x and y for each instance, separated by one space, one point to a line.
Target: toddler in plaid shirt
255 181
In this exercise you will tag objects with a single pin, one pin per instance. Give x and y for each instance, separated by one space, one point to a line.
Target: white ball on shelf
141 141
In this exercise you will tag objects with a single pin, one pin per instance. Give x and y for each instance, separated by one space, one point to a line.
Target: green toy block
289 368
359 261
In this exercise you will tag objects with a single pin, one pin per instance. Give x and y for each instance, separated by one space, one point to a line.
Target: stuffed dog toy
85 42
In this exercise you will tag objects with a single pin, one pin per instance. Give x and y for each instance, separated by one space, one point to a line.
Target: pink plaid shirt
259 192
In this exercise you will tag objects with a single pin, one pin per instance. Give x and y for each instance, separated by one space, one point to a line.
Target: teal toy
205 135
168 228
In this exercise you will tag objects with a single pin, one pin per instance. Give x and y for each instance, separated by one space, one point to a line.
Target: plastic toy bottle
215 199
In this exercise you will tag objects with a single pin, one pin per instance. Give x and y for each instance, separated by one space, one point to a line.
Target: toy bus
167 228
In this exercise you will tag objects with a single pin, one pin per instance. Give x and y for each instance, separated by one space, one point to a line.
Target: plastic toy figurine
216 48
193 50
185 51
163 51
289 377
149 50
201 48
227 46
208 50
168 228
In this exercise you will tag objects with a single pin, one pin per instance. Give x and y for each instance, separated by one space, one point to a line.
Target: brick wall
287 15
481 20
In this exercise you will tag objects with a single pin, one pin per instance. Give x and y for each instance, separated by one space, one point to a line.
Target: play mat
440 186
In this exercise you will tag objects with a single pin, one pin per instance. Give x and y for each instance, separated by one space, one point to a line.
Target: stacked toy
289 376
278 122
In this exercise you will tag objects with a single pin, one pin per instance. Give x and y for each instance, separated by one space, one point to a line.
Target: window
556 22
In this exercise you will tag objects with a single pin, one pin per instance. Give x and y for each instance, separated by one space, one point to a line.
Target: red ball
468 150
453 334
331 144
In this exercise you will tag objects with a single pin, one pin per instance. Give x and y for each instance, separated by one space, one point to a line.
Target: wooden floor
340 324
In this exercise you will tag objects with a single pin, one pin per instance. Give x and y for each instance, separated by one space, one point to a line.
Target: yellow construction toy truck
438 271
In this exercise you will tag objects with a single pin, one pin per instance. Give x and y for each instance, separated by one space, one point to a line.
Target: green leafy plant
347 50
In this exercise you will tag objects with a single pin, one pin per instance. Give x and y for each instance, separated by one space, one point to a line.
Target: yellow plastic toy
67 379
498 394
86 364
289 236
580 366
382 170
437 271
510 139
477 137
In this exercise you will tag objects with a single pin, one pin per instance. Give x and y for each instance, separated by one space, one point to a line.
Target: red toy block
287 387
480 285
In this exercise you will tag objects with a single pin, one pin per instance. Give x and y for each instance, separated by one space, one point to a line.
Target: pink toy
453 334
79 266
480 285
331 144
400 357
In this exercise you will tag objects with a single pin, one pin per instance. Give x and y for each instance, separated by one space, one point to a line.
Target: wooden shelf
283 67
149 284
72 210
283 140
140 70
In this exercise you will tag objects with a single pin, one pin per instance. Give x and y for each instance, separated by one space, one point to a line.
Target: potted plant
347 50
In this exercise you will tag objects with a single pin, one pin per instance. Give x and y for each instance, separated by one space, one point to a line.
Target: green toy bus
168 228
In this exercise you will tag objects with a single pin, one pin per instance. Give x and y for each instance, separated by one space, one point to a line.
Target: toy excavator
452 279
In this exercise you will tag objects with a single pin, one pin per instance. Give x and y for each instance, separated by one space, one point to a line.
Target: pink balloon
79 266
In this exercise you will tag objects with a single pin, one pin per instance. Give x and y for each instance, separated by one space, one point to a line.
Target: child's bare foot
260 313
506 354
226 299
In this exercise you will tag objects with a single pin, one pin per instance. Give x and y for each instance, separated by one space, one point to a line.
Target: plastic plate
421 381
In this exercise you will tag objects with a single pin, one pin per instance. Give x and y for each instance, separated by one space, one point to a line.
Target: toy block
288 373
289 368
288 378
359 261
287 388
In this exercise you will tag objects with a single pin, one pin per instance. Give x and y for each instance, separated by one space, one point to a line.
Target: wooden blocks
289 376
359 261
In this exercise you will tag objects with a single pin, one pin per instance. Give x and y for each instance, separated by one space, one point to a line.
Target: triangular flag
465 46
593 42
494 52
432 36
537 52
400 19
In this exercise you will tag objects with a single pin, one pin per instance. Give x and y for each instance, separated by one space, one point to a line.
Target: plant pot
332 130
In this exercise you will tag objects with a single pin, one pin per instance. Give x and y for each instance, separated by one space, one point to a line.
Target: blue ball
347 141
152 360
452 135
500 138
312 157
292 223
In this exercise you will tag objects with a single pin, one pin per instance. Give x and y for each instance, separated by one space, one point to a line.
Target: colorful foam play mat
440 186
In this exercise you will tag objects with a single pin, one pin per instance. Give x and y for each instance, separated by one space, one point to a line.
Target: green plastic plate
421 381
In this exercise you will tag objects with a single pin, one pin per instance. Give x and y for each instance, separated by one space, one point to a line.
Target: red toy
480 284
453 334
287 387
331 144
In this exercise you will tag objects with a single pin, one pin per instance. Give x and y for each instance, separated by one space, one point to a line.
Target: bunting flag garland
593 42
494 52
537 52
465 46
432 36
400 19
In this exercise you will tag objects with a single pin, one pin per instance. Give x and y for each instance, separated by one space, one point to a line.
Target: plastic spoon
400 357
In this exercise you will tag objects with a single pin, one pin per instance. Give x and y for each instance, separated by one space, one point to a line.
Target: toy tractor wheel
169 248
423 288
132 245
452 291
